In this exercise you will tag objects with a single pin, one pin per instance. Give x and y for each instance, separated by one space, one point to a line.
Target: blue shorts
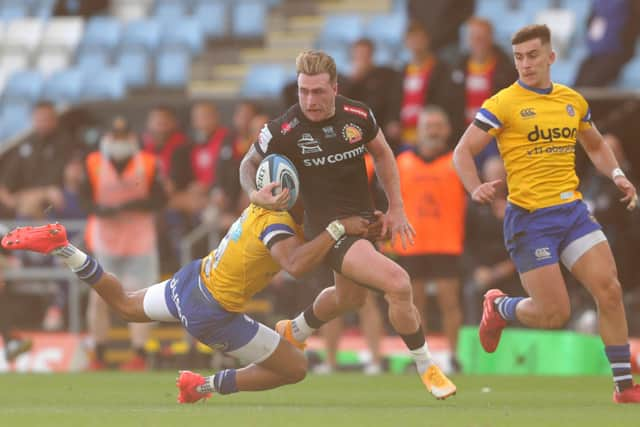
202 316
538 238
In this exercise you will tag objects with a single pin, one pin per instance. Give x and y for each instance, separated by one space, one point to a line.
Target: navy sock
311 318
415 340
224 382
90 272
506 307
620 359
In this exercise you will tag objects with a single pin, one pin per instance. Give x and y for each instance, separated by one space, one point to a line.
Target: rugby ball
278 168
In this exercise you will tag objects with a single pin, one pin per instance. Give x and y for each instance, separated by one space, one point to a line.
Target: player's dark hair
531 32
313 62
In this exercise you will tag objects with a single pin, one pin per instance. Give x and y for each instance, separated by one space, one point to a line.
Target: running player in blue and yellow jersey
537 124
208 295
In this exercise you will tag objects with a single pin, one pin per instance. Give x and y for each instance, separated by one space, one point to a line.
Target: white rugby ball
278 168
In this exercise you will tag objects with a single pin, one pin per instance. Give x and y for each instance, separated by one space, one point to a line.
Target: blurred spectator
486 70
196 162
122 191
227 192
85 8
366 82
486 261
435 201
427 81
612 32
162 135
13 344
443 19
33 171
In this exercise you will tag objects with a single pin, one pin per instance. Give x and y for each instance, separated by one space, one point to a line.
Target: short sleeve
490 118
278 226
266 144
585 114
371 129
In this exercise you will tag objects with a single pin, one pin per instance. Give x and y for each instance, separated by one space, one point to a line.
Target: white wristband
616 173
336 230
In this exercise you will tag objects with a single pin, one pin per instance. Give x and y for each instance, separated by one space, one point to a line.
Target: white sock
301 330
73 257
422 358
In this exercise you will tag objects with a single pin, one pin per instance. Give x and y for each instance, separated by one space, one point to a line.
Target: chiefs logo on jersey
352 133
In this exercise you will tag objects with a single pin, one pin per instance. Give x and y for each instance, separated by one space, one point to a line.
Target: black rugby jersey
329 156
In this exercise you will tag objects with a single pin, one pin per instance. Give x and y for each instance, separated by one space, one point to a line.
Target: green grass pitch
119 399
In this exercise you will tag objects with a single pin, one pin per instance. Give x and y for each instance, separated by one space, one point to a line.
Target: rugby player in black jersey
326 136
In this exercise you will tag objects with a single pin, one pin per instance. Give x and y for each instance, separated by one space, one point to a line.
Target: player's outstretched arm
264 197
471 143
604 160
297 257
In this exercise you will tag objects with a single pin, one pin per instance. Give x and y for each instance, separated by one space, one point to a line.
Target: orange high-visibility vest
129 232
435 201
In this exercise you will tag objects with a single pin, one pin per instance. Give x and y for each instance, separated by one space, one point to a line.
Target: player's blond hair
313 62
531 32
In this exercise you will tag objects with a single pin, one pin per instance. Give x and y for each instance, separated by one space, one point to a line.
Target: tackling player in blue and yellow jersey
538 124
208 295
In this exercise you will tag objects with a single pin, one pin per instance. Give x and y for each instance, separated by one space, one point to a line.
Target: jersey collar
546 91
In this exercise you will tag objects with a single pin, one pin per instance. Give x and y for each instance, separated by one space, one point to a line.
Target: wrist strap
616 173
336 230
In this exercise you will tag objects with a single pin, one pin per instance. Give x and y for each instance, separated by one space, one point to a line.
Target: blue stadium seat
265 80
42 9
630 76
565 71
102 32
248 18
141 33
170 9
13 9
342 29
90 60
173 67
64 86
339 52
23 86
135 66
212 16
182 33
14 119
388 29
103 84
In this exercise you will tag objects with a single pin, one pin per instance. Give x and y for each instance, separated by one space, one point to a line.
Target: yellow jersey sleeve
490 116
277 226
584 112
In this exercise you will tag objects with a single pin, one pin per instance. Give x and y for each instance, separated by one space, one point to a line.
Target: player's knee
609 296
398 284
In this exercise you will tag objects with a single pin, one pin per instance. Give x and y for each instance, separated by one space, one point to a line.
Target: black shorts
431 266
336 254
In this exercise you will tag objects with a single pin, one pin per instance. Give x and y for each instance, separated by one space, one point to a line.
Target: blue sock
224 382
90 272
620 359
506 307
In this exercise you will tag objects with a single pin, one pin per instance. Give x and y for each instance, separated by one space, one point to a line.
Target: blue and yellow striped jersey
536 132
242 265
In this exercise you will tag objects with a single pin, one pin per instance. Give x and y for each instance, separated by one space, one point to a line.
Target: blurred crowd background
176 91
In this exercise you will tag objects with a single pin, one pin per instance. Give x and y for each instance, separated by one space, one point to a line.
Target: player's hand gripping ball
278 168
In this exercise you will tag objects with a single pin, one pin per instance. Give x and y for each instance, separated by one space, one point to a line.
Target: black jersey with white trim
329 156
